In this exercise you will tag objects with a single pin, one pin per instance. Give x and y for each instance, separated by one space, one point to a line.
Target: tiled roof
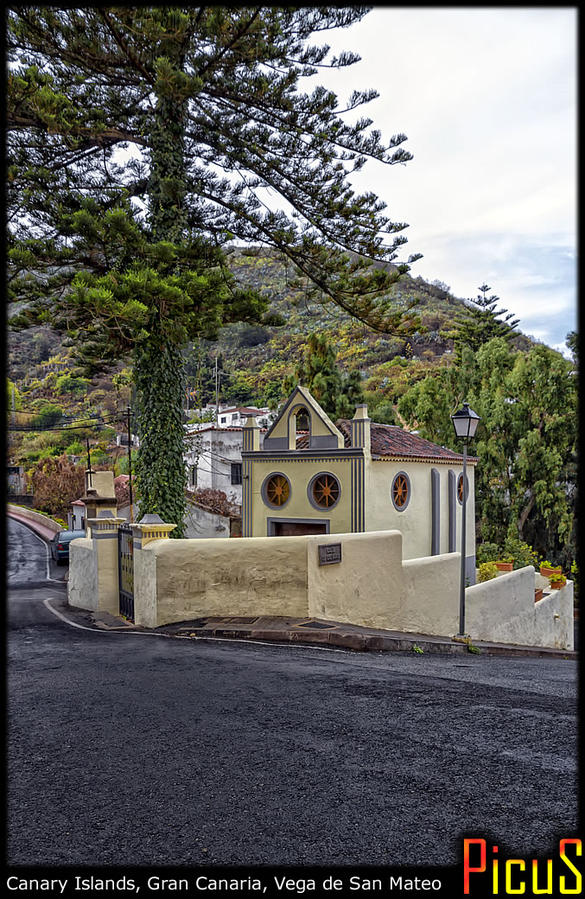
390 441
249 410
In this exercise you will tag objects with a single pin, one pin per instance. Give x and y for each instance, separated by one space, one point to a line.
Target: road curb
363 642
335 637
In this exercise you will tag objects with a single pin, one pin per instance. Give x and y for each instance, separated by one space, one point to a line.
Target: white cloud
487 97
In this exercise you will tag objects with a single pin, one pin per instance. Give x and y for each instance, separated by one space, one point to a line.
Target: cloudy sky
487 98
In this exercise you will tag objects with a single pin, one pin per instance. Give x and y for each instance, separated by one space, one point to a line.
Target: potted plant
557 581
547 569
522 553
506 563
538 594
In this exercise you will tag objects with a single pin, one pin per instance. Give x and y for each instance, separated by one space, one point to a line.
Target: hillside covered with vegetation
414 382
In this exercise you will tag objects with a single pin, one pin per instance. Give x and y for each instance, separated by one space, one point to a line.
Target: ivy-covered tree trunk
160 470
158 365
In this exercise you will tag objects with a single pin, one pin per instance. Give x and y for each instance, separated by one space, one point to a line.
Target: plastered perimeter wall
366 587
178 580
247 577
431 595
503 610
82 586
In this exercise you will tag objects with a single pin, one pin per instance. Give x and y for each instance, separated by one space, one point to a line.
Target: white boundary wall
503 611
176 580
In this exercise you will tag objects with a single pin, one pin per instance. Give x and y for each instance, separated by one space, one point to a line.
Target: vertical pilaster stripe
435 512
452 487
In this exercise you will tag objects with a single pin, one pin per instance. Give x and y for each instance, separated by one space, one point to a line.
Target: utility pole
89 482
128 413
216 391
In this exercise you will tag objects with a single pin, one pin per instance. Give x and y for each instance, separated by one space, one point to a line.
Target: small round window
460 487
276 490
324 490
400 491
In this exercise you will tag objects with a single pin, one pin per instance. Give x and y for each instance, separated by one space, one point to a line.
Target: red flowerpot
548 572
505 566
538 594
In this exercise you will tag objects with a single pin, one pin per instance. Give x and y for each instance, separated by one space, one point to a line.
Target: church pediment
302 413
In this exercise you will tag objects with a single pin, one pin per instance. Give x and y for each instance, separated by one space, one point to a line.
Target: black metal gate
126 571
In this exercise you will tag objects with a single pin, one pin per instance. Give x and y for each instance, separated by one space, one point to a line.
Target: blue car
60 545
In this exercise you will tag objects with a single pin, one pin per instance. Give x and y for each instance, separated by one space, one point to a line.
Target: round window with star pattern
276 490
460 487
324 490
400 491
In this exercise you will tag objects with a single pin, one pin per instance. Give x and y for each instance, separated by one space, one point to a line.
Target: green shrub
68 383
75 449
487 571
522 554
488 552
48 416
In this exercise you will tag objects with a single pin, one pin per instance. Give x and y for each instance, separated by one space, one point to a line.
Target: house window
276 490
400 491
236 472
193 476
324 490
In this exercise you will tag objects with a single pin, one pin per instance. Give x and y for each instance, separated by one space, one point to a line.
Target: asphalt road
148 750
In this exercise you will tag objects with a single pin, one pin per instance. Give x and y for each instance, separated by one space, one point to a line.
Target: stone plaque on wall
329 554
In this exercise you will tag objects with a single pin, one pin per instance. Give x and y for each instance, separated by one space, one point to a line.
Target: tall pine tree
141 142
480 321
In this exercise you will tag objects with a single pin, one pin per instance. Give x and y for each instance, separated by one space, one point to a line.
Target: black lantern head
465 422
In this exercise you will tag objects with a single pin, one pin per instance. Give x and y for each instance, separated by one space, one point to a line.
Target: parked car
60 544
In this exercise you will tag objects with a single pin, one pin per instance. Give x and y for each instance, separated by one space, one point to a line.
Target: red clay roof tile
390 441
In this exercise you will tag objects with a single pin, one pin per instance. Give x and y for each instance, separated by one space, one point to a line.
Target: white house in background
76 516
235 416
204 521
232 416
122 440
214 459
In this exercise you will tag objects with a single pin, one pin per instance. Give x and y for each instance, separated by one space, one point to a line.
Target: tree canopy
337 393
526 440
480 321
142 141
209 99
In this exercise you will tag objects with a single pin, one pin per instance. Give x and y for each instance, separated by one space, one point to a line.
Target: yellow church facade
312 476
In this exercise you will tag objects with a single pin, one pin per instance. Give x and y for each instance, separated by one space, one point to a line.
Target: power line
98 423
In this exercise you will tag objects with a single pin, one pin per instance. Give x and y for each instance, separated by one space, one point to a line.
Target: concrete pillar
93 572
147 530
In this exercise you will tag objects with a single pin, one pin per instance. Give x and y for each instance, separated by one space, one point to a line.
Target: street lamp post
465 422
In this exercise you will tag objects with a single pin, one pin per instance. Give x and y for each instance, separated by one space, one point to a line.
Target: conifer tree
141 142
481 321
337 393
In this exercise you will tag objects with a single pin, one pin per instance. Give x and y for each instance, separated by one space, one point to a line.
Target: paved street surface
150 750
